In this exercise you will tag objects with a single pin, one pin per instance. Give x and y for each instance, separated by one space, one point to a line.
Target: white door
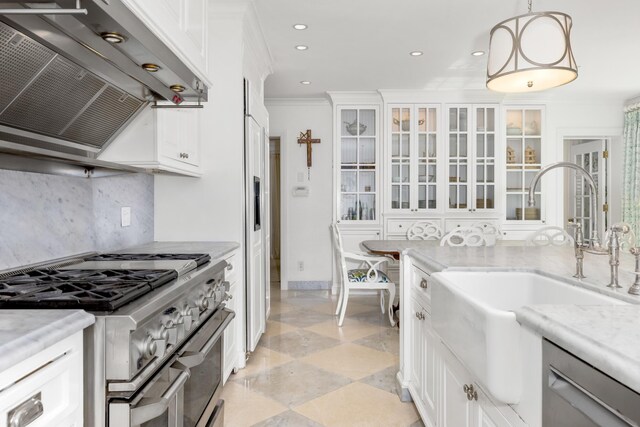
255 232
589 155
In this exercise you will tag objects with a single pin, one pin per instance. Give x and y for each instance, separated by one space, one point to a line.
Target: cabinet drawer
422 287
400 226
50 395
450 224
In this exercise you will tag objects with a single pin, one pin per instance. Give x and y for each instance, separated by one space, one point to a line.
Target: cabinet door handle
470 391
27 412
424 284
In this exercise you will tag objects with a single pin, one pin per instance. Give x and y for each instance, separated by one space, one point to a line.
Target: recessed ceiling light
300 27
477 53
302 47
415 53
305 82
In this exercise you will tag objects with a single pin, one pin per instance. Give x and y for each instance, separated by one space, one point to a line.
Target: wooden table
395 247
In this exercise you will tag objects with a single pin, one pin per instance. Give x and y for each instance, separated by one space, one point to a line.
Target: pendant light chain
530 6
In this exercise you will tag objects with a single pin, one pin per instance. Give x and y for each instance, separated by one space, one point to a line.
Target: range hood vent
64 89
46 93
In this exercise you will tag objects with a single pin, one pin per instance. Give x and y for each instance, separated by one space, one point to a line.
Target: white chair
492 231
424 230
549 236
464 236
367 277
627 241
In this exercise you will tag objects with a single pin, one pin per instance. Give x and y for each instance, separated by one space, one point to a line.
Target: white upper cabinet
471 157
524 149
164 140
412 157
181 25
357 157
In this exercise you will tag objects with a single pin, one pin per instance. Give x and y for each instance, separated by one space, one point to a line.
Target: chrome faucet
593 246
594 243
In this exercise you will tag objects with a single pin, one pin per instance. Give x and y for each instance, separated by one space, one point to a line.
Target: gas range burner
97 290
198 258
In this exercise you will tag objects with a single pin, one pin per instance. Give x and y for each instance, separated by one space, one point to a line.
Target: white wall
305 220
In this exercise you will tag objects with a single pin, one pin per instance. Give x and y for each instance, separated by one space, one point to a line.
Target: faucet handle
578 237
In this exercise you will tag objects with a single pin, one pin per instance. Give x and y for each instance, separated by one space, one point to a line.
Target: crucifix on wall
305 138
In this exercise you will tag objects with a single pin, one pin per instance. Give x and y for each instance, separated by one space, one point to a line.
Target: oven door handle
192 359
151 408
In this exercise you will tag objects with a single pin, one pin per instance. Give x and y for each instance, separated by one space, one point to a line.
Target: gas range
148 308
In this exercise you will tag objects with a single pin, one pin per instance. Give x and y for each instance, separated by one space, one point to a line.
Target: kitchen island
603 336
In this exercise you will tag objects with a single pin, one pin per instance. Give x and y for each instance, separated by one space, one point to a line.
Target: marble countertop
24 333
217 250
607 337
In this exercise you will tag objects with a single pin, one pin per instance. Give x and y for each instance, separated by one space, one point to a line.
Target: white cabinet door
416 347
231 333
179 24
431 371
455 408
486 414
178 134
472 154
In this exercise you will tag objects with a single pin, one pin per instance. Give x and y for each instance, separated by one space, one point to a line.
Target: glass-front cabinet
412 153
358 161
523 135
471 157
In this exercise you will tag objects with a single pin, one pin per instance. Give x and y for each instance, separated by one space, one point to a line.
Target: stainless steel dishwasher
575 394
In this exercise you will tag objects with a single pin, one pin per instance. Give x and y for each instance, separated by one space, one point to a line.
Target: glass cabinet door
401 127
485 158
427 131
524 160
358 137
458 158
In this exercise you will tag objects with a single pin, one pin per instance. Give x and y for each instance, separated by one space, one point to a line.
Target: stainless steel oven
184 392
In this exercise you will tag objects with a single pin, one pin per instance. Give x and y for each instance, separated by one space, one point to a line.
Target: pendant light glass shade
531 52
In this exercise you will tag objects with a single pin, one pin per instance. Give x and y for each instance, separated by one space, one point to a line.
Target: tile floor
308 372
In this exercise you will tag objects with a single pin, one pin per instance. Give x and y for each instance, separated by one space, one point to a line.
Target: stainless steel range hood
64 89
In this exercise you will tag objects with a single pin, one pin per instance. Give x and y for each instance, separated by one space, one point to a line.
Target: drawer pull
230 267
470 391
424 284
27 412
419 315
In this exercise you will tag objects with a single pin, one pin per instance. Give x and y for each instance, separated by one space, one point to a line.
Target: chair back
492 231
627 241
339 251
549 236
464 236
424 230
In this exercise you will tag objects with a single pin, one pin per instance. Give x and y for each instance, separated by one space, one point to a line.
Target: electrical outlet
125 216
301 265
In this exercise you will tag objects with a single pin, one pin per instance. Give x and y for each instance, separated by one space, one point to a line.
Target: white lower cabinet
45 389
444 392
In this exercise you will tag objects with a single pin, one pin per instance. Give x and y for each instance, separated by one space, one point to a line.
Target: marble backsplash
48 216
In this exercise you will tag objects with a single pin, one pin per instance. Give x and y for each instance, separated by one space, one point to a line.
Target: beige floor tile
359 405
351 360
276 328
261 360
243 407
294 383
330 308
278 307
298 343
288 419
349 331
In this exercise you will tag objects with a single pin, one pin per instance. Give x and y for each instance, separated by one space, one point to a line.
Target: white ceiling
360 45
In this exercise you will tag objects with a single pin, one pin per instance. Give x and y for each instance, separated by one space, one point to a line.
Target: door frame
555 206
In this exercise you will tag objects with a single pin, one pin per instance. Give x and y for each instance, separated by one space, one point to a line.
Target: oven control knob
172 331
210 293
153 347
191 315
203 303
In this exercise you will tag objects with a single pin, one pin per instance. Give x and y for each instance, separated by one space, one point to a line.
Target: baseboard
311 285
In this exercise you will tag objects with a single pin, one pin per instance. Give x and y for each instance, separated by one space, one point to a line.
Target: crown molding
296 102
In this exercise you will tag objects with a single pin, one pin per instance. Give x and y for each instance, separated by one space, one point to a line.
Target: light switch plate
125 216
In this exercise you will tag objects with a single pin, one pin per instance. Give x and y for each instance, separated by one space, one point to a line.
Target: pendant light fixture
531 52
